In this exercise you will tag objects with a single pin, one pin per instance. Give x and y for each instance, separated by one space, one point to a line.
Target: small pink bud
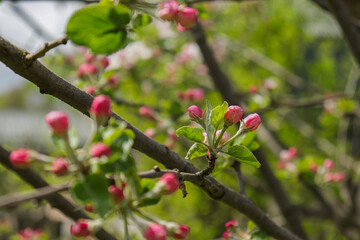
270 84
182 232
88 57
328 164
293 152
339 176
224 138
58 121
186 17
329 177
181 95
226 235
233 114
116 192
101 107
168 10
59 167
313 167
253 89
100 149
147 112
87 68
105 62
195 112
80 228
113 81
29 234
89 207
170 183
20 158
231 224
281 165
155 232
150 132
252 121
196 94
90 90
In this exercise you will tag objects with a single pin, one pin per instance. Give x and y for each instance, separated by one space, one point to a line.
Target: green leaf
141 20
243 154
196 150
120 140
260 235
208 125
217 115
251 225
58 142
94 189
245 139
102 28
253 146
192 133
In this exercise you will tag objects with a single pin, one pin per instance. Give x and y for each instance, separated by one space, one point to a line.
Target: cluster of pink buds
101 108
230 227
193 94
28 234
332 176
92 65
185 17
156 231
286 159
147 112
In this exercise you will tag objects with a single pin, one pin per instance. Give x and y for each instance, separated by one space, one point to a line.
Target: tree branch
47 47
50 83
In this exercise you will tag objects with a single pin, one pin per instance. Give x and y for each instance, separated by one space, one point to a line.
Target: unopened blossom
147 112
87 69
195 112
252 121
155 232
181 232
80 228
168 10
20 158
59 167
101 108
329 164
116 192
100 149
186 17
169 183
58 121
231 224
233 114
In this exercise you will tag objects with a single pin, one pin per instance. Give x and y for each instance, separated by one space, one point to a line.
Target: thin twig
12 200
47 47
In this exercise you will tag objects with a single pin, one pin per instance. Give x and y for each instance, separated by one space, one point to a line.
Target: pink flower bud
59 167
270 84
182 232
281 165
231 224
329 177
90 90
155 232
195 112
233 114
105 62
101 107
147 112
313 167
328 164
89 207
88 57
28 234
168 10
117 193
288 155
86 68
181 28
58 121
100 149
170 183
252 121
80 228
253 89
186 17
339 176
293 152
113 81
20 158
150 132
196 94
226 235
224 138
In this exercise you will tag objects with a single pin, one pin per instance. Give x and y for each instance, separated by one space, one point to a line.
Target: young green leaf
217 115
141 20
209 127
196 150
242 154
102 28
192 133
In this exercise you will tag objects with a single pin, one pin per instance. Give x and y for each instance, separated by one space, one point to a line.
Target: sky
51 17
